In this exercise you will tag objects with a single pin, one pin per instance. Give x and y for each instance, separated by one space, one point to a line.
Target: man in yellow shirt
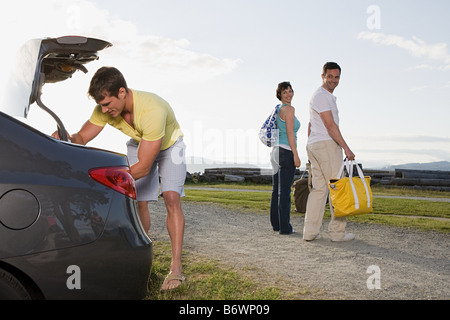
155 151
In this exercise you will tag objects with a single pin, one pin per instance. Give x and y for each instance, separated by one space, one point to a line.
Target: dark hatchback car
69 225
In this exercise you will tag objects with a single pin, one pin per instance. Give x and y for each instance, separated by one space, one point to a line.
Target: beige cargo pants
326 159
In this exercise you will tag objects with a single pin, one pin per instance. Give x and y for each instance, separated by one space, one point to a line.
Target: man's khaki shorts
169 169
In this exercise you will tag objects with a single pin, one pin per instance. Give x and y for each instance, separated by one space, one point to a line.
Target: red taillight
117 178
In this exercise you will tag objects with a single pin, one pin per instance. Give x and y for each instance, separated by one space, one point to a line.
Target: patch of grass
410 207
231 185
206 279
258 202
407 192
425 224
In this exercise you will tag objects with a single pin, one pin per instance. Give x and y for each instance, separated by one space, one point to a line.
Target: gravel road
409 264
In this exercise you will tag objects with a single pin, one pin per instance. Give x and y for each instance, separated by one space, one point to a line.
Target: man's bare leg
144 214
175 226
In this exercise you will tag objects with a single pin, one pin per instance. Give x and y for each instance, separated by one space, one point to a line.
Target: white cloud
421 67
159 56
172 58
418 88
447 85
415 46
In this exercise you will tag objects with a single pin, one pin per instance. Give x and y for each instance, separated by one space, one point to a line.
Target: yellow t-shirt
153 119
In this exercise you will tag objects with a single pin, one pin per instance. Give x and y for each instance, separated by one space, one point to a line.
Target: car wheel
11 288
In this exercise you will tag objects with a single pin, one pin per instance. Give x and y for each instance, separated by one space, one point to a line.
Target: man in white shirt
324 148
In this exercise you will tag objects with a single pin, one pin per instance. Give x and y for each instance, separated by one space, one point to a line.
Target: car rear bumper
116 266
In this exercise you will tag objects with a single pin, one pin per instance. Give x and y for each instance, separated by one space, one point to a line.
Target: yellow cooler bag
351 195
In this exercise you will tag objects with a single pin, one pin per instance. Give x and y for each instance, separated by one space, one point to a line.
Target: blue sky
218 64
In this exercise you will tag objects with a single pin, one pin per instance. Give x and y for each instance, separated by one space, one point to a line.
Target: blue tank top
281 124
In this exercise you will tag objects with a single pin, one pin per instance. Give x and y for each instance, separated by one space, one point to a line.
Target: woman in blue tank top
284 159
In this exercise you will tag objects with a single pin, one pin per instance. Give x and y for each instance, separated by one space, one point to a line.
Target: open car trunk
42 61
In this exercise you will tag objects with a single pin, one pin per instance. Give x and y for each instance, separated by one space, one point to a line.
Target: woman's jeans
283 176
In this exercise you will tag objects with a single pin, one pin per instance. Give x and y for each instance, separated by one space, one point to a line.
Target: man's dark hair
330 66
106 82
283 86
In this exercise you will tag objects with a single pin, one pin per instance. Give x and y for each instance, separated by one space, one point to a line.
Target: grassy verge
209 280
376 189
408 213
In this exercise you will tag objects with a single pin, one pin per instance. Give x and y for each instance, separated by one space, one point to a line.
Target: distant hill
440 165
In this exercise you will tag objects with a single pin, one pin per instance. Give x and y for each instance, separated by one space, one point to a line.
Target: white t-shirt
321 101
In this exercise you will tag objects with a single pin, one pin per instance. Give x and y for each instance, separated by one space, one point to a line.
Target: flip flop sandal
179 277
